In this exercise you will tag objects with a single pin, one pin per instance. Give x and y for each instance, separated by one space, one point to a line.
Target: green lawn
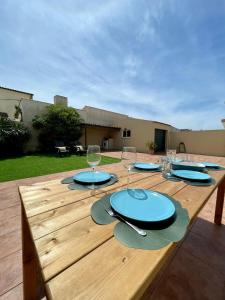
36 165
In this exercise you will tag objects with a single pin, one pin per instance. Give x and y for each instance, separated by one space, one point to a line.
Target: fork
138 230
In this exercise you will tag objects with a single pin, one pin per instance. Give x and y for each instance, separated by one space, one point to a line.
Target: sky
150 59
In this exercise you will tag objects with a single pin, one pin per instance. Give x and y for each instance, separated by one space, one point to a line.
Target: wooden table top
82 260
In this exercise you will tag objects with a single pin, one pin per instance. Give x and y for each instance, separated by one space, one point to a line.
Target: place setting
192 173
91 180
212 166
129 157
146 219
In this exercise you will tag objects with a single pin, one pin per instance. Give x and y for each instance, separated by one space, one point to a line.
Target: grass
43 164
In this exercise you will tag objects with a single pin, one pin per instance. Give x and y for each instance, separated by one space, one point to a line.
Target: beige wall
96 135
8 106
142 131
9 95
29 110
208 142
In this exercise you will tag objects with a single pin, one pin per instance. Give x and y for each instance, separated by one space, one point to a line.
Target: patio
197 270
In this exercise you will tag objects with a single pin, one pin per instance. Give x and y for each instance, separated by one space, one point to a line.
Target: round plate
210 165
188 165
192 175
142 205
91 177
146 166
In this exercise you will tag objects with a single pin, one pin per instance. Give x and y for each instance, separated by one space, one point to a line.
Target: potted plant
151 147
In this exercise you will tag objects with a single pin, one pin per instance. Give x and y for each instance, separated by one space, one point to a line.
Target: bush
58 123
13 136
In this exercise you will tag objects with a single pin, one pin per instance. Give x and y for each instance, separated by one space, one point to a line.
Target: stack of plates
186 165
210 165
92 177
146 166
142 205
191 175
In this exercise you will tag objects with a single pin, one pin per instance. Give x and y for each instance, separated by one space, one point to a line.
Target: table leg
219 202
32 286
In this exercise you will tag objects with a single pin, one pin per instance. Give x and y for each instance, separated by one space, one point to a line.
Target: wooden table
71 257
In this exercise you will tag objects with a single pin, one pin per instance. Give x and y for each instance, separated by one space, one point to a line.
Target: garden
58 124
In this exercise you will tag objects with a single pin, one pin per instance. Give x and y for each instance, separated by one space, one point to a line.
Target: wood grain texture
80 259
219 202
38 199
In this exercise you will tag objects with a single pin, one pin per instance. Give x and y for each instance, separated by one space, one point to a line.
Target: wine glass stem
93 184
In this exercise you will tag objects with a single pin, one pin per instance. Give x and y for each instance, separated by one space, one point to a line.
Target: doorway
160 140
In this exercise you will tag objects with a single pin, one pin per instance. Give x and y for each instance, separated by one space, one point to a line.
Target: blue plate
191 175
188 165
91 177
146 166
142 205
210 165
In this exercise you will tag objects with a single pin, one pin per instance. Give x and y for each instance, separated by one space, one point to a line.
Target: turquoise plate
186 165
191 175
146 166
142 205
91 177
210 165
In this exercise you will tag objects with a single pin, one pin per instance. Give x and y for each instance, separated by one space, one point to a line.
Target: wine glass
171 155
128 158
93 158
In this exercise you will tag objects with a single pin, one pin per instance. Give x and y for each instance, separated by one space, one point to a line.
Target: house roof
99 125
5 88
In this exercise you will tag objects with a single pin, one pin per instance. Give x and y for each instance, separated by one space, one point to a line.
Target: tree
13 137
58 123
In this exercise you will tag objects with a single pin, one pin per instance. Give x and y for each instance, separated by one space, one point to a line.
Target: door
160 140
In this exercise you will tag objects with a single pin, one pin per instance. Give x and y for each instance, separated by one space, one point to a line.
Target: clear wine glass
128 158
93 158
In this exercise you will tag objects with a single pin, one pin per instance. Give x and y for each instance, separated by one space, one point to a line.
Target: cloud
150 59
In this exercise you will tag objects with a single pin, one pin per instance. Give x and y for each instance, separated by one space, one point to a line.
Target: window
126 133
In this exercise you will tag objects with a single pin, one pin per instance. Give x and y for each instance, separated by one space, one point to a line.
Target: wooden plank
15 293
32 287
10 225
54 196
51 247
110 272
10 271
79 281
9 212
55 219
98 283
10 243
76 240
219 202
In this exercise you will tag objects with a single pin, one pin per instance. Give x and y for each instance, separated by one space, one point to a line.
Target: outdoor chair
62 149
80 150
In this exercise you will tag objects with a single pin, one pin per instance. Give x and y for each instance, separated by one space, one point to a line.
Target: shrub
13 136
58 123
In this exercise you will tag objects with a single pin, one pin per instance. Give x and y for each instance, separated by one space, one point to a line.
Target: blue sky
158 60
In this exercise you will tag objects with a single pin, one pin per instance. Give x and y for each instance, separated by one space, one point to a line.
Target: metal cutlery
113 214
